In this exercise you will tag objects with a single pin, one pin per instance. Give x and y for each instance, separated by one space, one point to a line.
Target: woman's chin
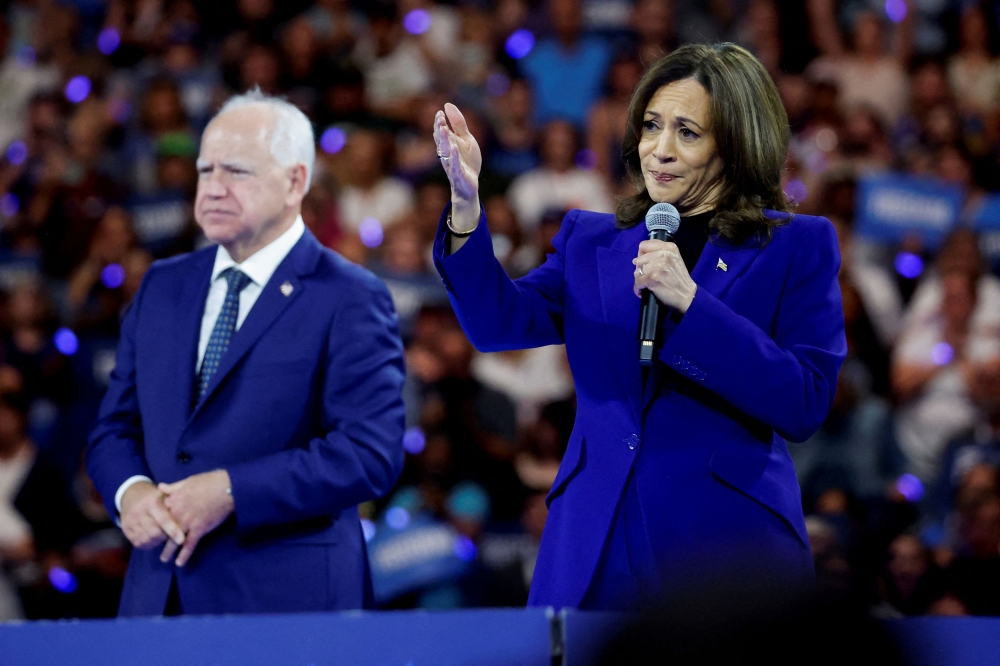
661 193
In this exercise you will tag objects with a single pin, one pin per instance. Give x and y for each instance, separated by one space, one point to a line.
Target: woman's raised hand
462 161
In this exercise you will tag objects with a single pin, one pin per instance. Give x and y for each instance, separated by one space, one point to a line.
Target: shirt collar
261 264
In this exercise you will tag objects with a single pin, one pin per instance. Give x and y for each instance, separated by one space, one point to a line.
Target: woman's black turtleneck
691 237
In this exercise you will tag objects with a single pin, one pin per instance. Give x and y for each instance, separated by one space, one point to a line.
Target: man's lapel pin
719 265
287 288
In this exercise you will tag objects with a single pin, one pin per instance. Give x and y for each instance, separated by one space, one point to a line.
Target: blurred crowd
102 103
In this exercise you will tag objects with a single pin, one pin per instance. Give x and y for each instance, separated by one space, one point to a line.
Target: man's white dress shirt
259 267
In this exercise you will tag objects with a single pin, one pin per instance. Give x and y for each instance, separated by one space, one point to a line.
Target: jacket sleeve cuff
469 257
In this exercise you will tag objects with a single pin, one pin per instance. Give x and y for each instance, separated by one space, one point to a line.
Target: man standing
256 398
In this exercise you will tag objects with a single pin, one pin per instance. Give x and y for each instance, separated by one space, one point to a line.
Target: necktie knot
236 280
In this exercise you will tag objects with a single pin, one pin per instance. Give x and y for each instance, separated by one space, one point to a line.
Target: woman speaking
676 474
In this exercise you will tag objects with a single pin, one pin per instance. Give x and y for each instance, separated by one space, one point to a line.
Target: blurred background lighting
910 487
62 580
414 440
796 190
465 550
78 89
17 152
113 276
332 140
519 44
895 10
909 265
397 518
368 529
108 41
370 231
942 353
826 139
65 341
417 22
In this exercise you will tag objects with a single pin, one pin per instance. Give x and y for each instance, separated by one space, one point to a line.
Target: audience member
370 192
866 74
931 372
39 522
559 183
974 72
566 70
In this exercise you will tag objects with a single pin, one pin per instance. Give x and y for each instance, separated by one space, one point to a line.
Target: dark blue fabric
305 412
753 362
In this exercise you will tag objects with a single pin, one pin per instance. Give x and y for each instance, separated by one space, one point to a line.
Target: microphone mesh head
663 216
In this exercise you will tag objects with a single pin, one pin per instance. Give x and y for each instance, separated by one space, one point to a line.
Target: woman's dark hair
748 122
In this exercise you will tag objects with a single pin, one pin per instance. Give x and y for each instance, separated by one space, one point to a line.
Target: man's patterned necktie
225 325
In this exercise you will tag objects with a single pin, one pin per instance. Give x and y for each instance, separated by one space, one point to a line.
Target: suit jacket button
183 457
632 441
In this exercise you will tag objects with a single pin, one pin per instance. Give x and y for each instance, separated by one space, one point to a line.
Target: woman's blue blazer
751 364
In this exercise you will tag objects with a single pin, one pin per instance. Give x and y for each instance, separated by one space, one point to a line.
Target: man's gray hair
291 135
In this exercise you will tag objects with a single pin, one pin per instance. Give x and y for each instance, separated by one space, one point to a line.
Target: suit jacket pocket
767 479
572 463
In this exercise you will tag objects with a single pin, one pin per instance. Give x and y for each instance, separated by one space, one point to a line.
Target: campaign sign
986 222
408 554
892 206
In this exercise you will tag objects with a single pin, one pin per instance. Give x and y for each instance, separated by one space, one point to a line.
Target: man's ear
297 185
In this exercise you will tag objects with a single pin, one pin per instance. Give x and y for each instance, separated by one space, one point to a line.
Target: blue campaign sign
411 553
987 215
986 222
889 207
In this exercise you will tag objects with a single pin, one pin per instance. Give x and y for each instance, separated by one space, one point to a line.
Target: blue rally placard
891 206
986 222
421 552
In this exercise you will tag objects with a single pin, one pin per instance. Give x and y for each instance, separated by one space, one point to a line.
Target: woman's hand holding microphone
661 269
462 160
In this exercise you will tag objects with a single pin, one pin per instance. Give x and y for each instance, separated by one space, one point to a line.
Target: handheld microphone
662 222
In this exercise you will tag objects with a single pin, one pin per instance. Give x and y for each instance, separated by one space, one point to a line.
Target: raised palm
459 151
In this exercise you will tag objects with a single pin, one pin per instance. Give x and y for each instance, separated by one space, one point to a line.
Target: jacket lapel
621 311
301 260
188 314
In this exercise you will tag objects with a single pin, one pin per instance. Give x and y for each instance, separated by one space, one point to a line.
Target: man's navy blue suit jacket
752 363
305 412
